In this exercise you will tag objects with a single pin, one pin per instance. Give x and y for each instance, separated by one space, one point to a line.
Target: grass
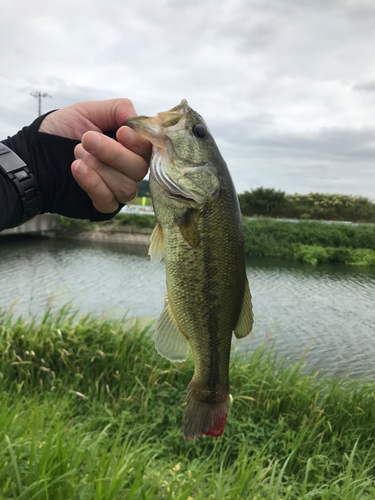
89 410
311 242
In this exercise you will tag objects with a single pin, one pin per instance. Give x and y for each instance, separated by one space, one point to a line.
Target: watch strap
23 180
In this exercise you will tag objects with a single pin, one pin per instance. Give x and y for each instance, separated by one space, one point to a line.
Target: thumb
110 114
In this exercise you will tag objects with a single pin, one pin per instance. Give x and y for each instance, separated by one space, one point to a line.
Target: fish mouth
152 128
171 118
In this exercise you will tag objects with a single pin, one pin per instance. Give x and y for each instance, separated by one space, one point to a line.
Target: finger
109 114
91 182
123 187
112 153
133 141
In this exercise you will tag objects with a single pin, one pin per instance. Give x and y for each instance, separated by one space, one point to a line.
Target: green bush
141 221
310 254
67 224
262 201
272 203
311 242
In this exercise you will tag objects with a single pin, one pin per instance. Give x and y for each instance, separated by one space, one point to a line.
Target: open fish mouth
153 127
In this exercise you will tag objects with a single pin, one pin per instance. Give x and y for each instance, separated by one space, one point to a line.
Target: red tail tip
218 429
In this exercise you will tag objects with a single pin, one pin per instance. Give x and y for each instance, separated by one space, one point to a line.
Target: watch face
9 161
23 180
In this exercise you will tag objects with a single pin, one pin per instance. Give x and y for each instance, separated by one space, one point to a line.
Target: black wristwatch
23 180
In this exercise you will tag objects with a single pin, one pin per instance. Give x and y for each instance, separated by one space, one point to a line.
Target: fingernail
79 152
79 167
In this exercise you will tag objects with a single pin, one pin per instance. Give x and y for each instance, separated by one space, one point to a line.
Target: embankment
90 410
312 242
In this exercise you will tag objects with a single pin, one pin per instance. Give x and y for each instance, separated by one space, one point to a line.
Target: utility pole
39 96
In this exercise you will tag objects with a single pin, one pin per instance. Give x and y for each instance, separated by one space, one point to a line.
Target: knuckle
141 172
127 192
114 155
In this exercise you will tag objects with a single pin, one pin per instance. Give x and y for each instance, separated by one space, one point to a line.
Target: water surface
326 310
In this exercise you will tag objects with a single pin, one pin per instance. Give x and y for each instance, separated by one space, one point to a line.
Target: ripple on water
329 309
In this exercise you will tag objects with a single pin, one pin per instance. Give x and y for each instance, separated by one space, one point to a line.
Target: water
324 313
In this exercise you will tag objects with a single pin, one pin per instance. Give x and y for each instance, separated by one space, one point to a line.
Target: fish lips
148 129
154 128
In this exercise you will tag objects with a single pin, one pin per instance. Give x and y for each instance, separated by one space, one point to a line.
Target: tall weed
89 410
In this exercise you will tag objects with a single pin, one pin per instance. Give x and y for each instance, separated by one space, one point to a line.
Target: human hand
107 170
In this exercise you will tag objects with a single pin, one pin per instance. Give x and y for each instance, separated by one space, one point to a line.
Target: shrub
262 201
138 220
271 203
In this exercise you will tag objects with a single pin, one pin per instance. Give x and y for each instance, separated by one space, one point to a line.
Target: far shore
135 239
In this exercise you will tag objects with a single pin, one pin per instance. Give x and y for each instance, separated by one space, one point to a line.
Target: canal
324 314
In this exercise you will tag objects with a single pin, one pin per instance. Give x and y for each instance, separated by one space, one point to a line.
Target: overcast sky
287 87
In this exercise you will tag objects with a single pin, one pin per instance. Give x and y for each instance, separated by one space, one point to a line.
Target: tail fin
203 418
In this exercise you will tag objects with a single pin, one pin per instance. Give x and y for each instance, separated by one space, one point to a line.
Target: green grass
311 242
89 410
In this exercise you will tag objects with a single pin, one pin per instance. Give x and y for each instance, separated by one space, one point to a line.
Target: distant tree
262 201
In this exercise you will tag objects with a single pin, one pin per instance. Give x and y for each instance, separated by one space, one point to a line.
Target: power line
40 96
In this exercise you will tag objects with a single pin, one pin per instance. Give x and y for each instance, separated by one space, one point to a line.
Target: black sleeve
49 158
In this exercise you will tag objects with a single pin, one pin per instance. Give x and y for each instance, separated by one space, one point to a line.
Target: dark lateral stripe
213 327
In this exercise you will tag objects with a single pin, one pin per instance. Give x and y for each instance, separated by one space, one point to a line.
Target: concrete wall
40 225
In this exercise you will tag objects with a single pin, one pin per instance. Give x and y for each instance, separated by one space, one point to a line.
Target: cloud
366 86
287 88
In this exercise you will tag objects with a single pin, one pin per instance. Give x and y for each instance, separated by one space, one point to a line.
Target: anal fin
170 342
245 321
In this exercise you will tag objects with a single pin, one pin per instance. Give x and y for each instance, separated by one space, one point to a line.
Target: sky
287 87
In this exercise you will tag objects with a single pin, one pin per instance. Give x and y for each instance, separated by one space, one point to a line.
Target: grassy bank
122 222
90 411
311 242
306 241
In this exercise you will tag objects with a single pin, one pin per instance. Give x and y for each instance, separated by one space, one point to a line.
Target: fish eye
199 131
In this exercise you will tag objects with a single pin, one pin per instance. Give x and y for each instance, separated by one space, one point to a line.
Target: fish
199 235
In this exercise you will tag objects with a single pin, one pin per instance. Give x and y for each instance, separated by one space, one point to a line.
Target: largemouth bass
199 234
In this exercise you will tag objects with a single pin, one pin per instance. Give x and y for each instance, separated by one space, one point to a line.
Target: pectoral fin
170 342
245 322
189 229
156 250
